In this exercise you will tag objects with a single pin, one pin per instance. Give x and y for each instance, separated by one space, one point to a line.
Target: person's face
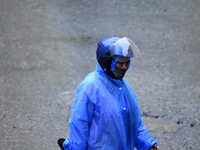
123 65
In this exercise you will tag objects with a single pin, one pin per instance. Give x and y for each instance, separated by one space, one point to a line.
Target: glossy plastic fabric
105 116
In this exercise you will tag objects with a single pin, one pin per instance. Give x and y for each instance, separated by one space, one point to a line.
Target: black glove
60 143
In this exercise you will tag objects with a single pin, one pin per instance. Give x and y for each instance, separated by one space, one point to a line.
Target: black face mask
119 72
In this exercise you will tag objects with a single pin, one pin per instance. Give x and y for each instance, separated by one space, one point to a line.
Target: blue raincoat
105 116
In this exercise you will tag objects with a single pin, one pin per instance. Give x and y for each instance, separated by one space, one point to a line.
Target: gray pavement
48 47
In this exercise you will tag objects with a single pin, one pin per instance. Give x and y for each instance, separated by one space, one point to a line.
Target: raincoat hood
110 49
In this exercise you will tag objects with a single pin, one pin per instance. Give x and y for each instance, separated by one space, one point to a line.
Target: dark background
48 47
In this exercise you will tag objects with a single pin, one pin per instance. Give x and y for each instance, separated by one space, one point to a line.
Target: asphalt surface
48 47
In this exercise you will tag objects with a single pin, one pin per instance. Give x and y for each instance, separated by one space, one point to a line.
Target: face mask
119 72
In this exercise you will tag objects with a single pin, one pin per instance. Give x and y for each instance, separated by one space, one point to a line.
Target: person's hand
154 147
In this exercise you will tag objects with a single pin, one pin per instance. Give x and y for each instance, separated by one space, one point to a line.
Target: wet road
48 47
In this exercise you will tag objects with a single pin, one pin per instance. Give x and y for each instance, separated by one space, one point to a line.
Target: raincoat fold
105 116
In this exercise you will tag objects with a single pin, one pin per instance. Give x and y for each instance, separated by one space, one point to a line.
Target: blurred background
48 47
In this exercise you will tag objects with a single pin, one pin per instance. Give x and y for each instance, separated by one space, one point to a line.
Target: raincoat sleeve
144 140
81 118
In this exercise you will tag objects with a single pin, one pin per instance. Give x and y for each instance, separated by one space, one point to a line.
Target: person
105 113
